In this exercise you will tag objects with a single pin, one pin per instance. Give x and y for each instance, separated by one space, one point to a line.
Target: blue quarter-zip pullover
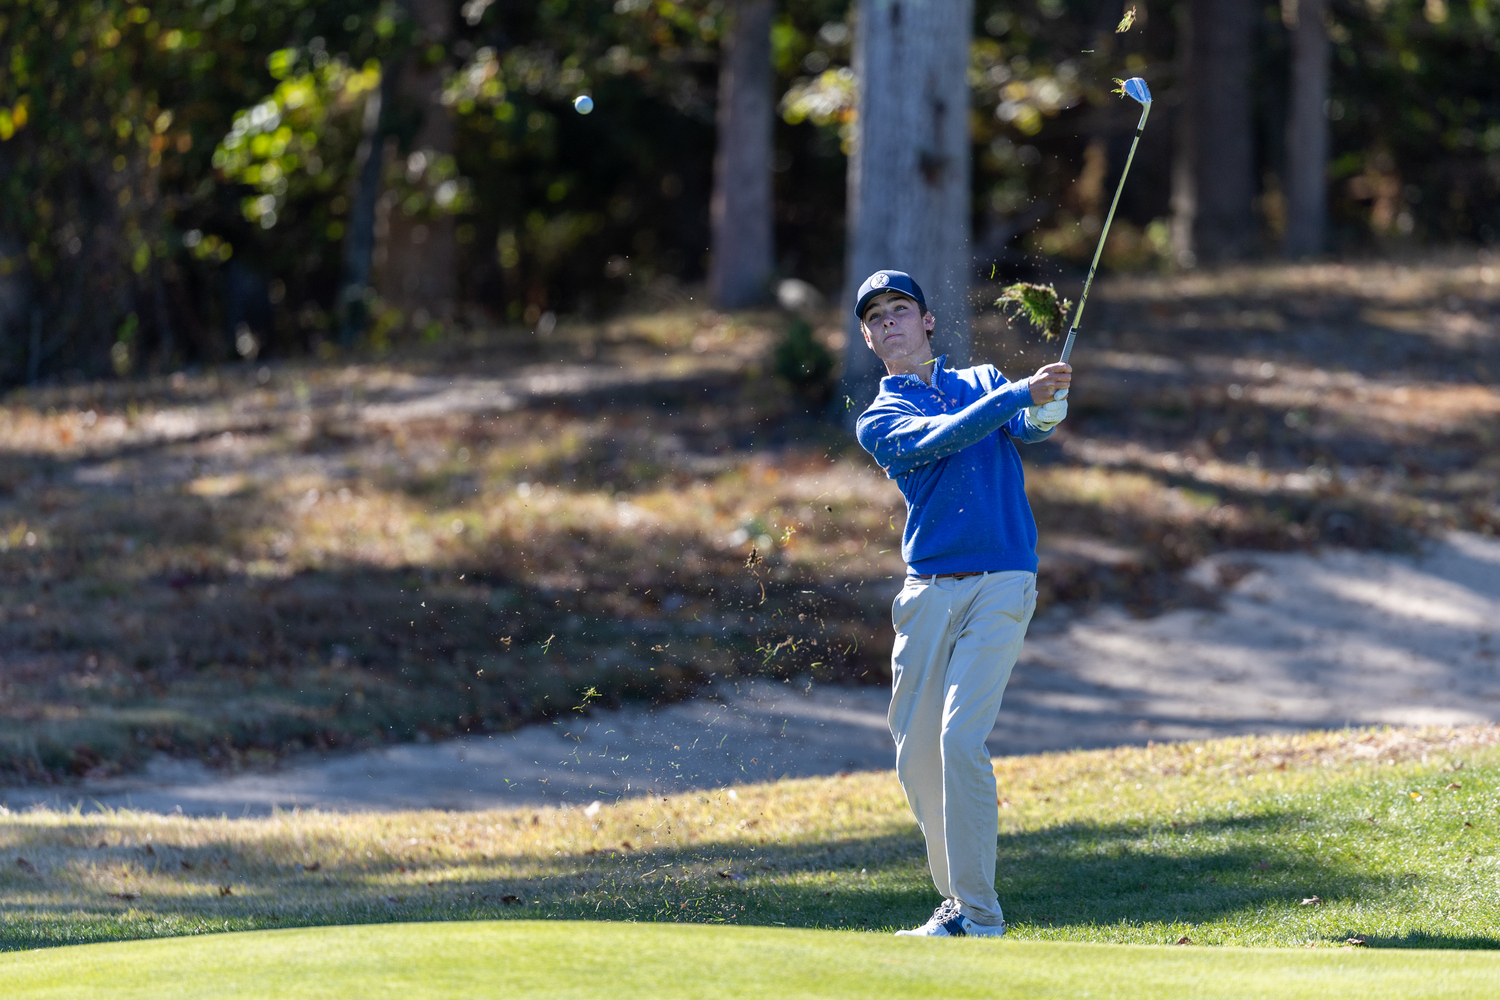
950 446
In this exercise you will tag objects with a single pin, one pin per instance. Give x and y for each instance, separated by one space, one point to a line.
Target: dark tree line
192 181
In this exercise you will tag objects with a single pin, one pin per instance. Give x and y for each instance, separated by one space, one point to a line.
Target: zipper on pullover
948 401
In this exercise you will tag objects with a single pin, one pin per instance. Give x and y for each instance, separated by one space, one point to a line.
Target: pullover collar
894 382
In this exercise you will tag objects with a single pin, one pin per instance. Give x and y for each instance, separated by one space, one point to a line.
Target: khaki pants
956 642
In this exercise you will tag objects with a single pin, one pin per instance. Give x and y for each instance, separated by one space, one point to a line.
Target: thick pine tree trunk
743 251
1214 179
908 205
1307 130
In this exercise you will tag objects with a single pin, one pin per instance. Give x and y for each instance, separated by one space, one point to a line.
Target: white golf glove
1048 415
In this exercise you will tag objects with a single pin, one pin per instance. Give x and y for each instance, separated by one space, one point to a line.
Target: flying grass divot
560 960
1046 310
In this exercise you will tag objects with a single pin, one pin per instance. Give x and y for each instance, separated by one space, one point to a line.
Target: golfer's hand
1048 415
1049 379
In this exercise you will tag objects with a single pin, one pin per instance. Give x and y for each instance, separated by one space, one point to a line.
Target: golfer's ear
928 321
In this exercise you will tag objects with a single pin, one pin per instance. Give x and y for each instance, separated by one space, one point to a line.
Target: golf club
1136 89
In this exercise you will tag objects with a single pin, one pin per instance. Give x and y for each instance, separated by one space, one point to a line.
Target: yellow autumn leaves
14 118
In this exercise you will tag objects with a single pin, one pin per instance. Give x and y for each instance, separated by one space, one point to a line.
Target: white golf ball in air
583 104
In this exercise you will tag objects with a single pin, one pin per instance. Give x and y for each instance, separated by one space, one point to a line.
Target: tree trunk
1214 179
416 261
1307 130
359 244
1184 200
742 209
908 206
15 304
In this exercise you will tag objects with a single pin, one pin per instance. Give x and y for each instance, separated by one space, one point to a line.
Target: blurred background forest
358 388
192 181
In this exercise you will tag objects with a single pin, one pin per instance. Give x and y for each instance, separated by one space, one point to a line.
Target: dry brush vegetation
239 562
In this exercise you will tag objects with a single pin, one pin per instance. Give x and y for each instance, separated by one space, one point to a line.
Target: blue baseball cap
888 281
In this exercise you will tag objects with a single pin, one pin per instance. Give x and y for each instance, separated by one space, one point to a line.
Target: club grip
1068 344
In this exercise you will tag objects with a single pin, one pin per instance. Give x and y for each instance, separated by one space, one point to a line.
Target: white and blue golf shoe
946 921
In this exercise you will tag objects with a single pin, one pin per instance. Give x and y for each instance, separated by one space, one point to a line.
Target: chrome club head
1136 89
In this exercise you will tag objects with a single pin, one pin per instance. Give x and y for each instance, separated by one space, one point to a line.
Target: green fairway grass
559 959
1281 841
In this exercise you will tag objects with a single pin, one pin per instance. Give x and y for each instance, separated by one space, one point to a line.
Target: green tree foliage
112 209
1416 119
170 169
804 362
276 148
1041 74
571 211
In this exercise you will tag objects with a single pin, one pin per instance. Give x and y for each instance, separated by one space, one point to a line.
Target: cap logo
880 280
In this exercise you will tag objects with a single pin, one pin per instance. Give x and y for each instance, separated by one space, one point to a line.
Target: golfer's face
895 327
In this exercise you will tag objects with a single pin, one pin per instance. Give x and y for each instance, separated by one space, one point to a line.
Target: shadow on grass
1422 939
1085 876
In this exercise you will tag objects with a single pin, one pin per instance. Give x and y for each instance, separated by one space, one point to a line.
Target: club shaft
1099 250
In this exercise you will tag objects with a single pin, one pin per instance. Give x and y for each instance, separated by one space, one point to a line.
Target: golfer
948 437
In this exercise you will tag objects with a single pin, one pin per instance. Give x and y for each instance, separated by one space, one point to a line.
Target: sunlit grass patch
1303 841
572 959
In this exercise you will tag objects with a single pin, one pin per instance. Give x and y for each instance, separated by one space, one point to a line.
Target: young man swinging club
948 437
